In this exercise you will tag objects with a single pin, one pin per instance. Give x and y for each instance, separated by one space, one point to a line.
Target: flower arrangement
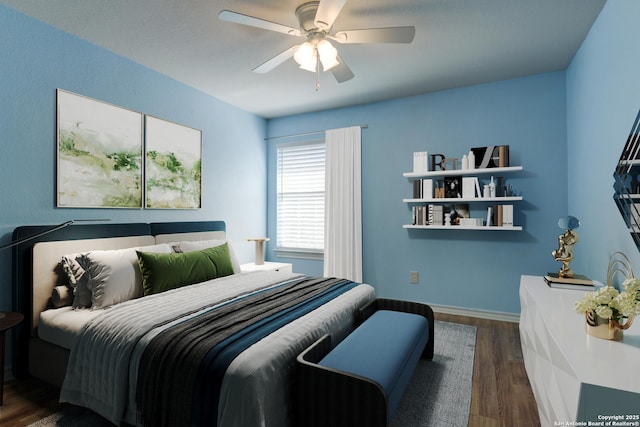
608 303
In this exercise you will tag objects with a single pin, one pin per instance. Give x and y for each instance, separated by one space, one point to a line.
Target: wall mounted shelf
468 200
462 172
462 227
416 202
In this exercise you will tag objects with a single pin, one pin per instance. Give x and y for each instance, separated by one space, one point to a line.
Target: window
300 204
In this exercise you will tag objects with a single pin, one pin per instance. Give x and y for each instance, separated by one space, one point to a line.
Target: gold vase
607 329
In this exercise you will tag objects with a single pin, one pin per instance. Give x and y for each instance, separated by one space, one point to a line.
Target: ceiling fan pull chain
317 72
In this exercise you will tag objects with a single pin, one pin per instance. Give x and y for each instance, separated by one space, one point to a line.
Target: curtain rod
305 133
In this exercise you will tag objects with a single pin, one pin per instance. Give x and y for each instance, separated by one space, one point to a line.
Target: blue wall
603 98
37 59
566 128
567 135
471 269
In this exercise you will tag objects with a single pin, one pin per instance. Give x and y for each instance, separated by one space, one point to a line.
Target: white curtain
343 205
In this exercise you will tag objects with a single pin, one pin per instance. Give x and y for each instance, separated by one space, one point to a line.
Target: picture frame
98 154
493 156
453 187
457 212
173 165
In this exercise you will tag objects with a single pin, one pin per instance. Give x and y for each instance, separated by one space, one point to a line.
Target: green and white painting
173 159
99 154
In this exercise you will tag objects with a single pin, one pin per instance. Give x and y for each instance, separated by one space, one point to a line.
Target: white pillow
114 275
188 246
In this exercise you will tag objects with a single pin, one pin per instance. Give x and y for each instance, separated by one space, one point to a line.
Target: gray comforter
103 367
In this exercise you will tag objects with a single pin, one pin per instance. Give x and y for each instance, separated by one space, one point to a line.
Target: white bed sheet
61 325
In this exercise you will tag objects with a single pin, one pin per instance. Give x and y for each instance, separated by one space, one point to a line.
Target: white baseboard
482 314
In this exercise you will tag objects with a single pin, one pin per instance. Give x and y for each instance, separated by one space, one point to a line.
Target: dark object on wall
493 156
625 190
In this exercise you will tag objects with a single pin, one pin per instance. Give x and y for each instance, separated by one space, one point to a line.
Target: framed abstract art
173 157
99 154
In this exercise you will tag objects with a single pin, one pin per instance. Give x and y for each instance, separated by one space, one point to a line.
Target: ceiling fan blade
328 11
341 72
275 61
377 35
239 18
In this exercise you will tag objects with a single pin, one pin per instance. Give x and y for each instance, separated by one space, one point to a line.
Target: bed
219 351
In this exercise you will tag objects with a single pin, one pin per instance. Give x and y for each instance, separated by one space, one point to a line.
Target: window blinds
300 205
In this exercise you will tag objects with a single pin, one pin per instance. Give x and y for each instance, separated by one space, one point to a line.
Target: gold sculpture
566 240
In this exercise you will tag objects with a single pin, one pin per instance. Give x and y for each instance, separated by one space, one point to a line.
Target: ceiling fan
316 19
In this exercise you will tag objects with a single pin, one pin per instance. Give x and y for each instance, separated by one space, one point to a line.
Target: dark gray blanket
182 368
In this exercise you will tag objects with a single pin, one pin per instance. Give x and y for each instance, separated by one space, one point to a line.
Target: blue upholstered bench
361 380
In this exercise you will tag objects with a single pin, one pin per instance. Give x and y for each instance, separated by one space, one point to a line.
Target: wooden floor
501 394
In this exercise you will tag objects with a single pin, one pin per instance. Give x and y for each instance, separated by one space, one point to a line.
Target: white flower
588 303
628 305
605 294
608 302
604 311
630 298
632 286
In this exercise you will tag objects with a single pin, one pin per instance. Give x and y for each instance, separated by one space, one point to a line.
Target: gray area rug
73 416
439 393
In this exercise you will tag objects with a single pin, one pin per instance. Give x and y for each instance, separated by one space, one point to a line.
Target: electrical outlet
414 277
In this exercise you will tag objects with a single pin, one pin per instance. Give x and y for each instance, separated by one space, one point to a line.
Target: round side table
7 321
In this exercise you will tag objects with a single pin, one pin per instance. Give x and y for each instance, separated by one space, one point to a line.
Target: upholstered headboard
35 261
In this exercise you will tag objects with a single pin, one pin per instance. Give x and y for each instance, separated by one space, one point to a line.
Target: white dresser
576 377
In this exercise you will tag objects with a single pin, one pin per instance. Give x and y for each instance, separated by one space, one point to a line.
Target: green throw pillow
161 272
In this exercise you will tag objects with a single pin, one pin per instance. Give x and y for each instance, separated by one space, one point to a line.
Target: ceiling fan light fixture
328 54
306 56
316 19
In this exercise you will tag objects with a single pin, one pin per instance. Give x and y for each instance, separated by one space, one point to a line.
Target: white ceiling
457 43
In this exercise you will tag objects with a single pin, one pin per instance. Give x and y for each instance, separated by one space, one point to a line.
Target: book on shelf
427 188
507 215
417 189
469 187
418 215
477 182
420 162
436 215
500 215
503 156
497 216
578 281
423 189
428 215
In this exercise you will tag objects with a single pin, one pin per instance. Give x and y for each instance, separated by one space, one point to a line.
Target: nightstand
267 266
7 321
